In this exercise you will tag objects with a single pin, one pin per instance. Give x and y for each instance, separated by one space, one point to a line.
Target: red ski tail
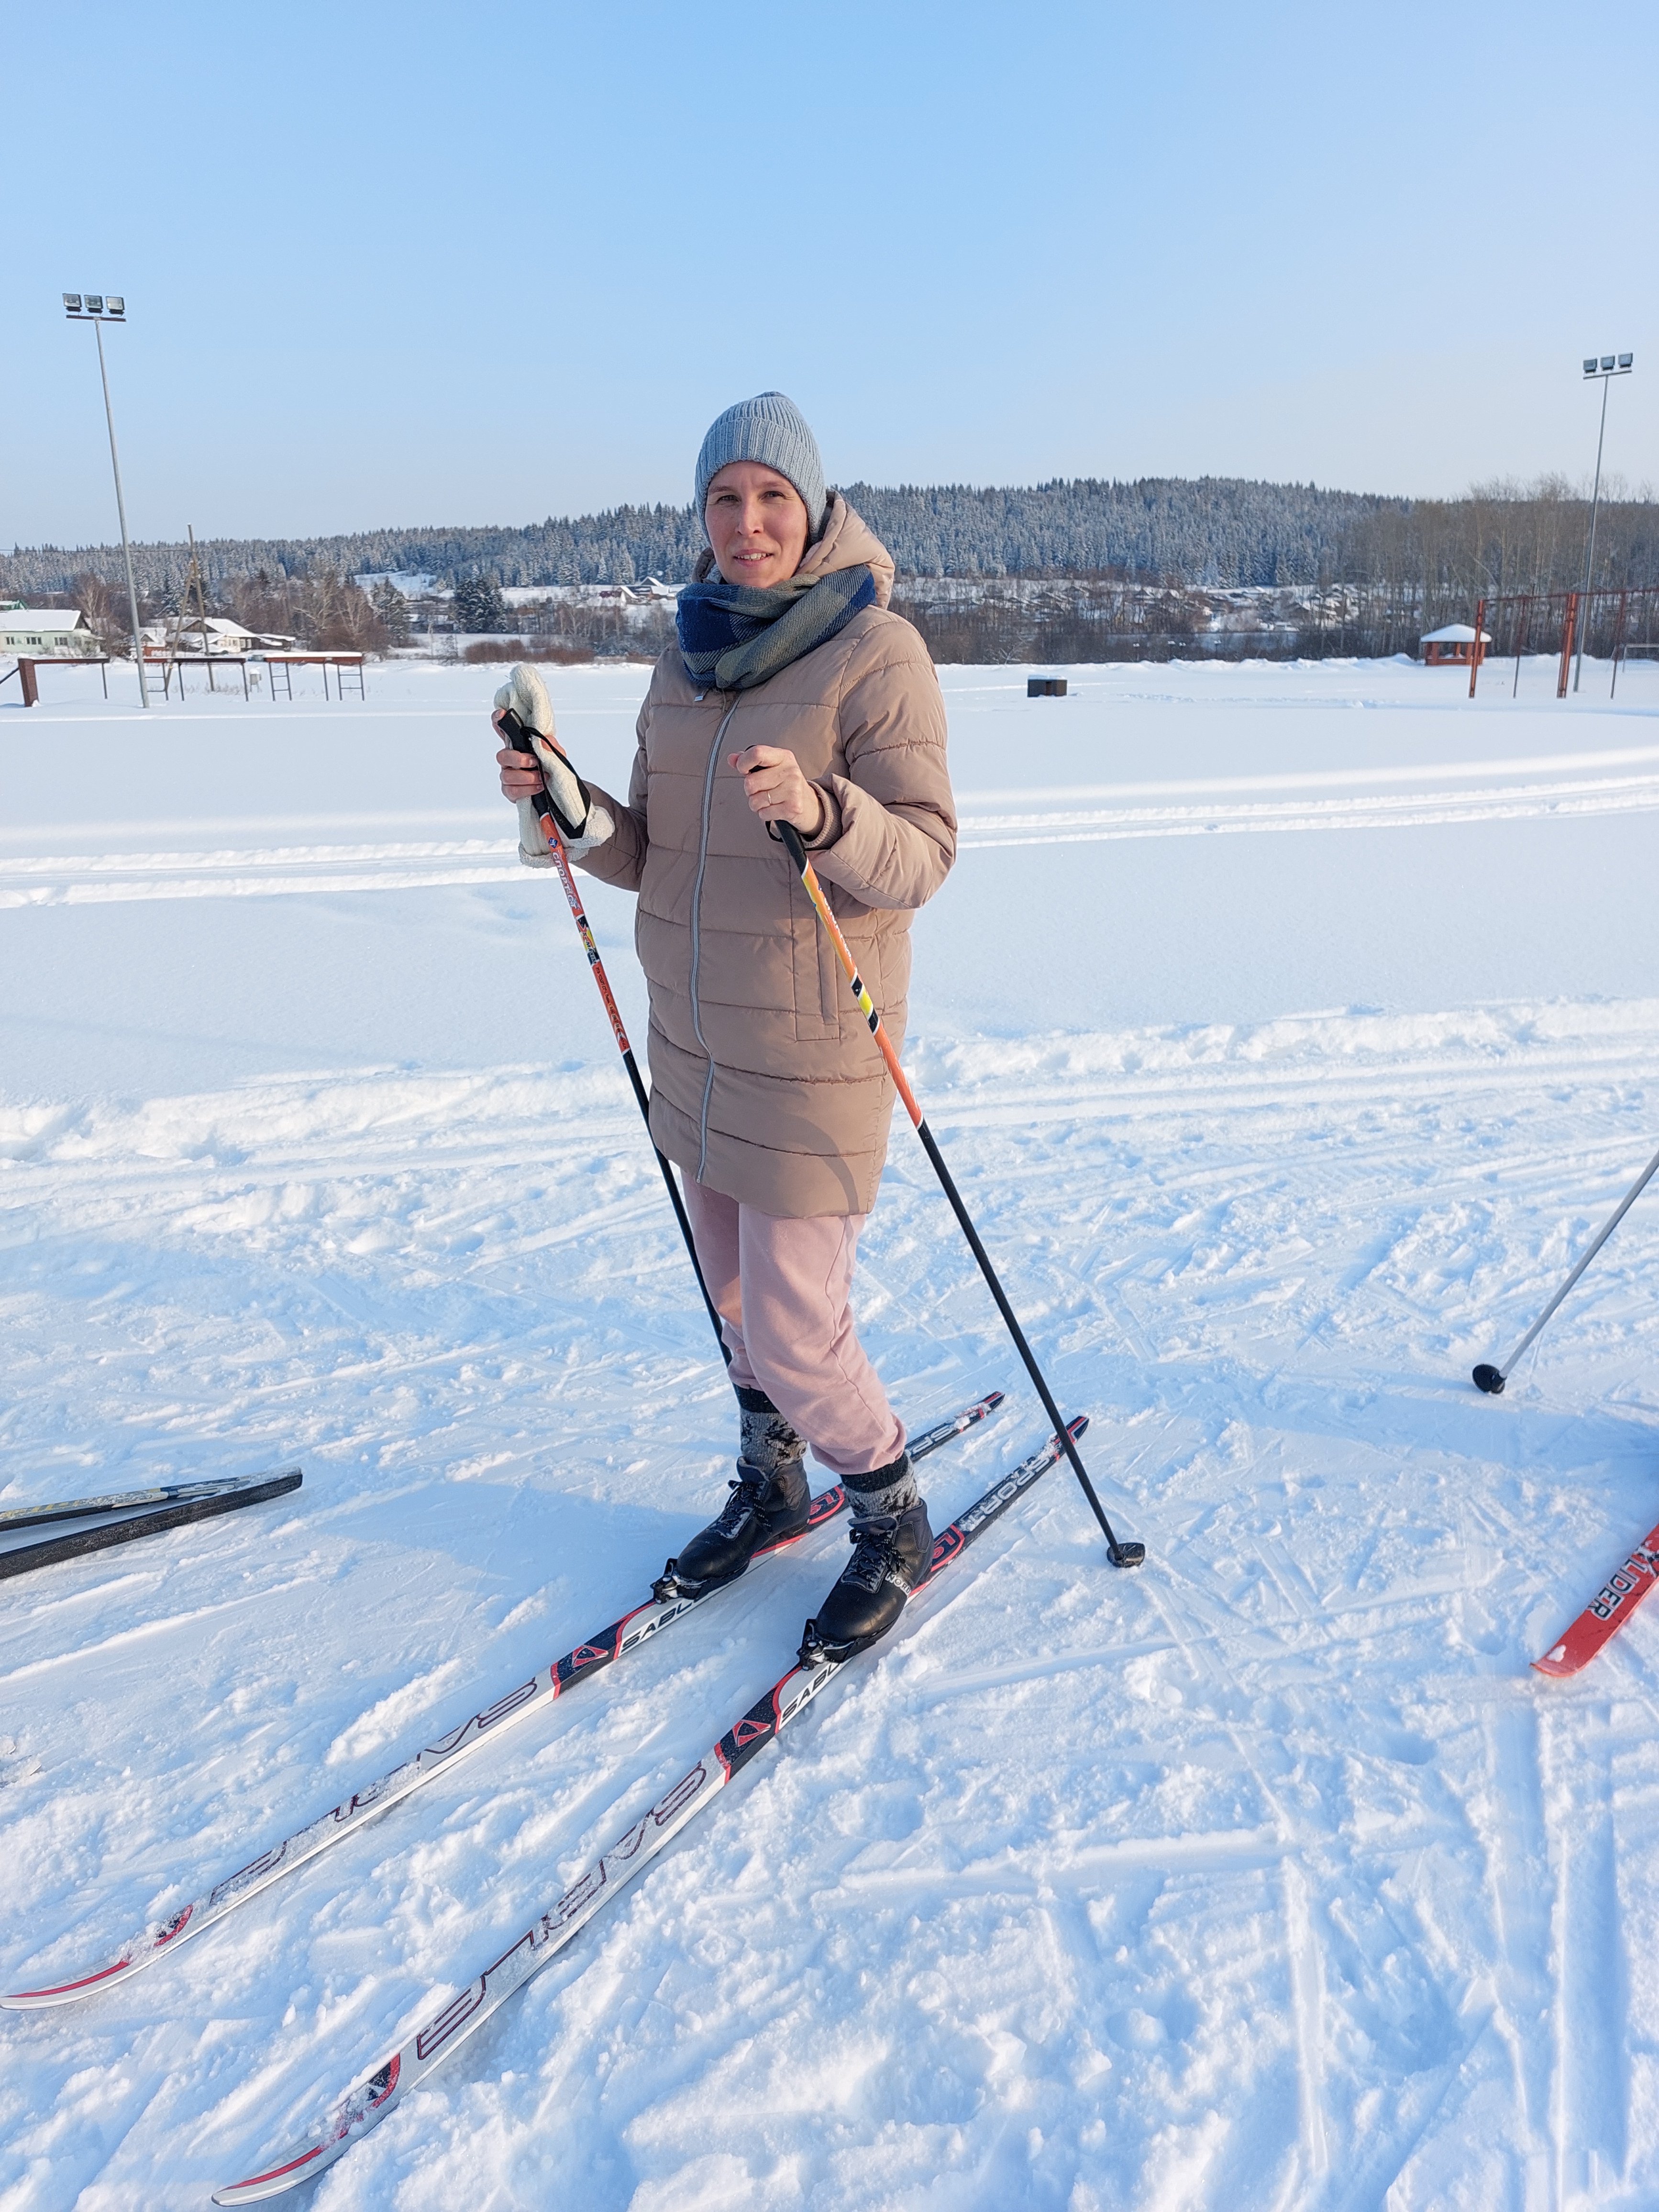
1607 1612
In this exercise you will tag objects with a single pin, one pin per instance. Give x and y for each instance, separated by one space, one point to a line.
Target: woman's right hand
521 775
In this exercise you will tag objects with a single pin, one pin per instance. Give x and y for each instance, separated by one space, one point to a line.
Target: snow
1289 1029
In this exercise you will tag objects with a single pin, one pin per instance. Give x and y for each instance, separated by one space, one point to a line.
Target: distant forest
1215 531
1414 563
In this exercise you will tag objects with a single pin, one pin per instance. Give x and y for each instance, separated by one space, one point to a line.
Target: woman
794 696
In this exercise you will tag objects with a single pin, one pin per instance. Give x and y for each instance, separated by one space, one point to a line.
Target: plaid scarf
734 637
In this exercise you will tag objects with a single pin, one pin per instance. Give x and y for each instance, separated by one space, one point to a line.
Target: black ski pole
1122 1554
519 738
1491 1379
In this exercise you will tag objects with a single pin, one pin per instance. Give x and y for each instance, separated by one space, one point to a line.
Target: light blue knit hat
772 430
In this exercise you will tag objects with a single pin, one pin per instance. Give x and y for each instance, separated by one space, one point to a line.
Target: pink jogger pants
782 1289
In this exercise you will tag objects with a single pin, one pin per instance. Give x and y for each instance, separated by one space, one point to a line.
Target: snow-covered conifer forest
1411 564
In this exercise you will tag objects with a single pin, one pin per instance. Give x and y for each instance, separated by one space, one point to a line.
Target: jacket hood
847 540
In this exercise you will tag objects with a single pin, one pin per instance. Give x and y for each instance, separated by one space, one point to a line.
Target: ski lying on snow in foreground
433 2041
1607 1612
76 1508
195 1501
600 1651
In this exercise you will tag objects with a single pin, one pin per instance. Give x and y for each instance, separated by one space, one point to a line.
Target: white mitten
583 823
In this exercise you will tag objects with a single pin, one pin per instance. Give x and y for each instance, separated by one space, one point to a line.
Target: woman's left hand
777 790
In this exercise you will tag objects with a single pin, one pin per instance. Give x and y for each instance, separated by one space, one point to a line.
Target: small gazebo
1453 645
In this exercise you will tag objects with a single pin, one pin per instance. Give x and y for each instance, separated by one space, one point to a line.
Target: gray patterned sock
769 1443
887 1489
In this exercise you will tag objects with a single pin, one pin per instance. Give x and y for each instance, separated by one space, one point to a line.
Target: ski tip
992 1399
63 1993
1487 1378
273 2182
1556 1663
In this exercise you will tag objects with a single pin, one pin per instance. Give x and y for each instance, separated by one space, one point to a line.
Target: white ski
561 1675
366 2105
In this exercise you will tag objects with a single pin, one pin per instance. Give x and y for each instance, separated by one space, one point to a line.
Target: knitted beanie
771 429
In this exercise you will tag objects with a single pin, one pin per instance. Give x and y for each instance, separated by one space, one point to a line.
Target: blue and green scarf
733 637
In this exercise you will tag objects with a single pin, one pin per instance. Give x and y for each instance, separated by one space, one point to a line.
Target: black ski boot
890 1555
771 1502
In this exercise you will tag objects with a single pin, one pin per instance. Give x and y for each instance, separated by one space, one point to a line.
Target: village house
46 634
218 637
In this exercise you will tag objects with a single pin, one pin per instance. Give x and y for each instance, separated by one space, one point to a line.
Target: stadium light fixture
1603 367
98 308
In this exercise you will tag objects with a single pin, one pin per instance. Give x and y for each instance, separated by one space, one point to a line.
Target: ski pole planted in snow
1120 1555
1491 1379
519 738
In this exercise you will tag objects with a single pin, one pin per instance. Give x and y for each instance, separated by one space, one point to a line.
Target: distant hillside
1078 570
1214 531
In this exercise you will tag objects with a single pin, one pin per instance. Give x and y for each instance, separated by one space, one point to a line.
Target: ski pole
1120 1555
1491 1379
519 738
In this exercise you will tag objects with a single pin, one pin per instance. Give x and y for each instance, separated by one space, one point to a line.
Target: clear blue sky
432 264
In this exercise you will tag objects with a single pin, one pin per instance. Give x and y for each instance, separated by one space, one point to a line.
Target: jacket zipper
696 937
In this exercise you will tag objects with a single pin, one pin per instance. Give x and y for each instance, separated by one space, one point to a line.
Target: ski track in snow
1266 1877
91 878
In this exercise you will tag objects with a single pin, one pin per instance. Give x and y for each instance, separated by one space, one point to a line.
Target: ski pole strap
546 805
1122 1554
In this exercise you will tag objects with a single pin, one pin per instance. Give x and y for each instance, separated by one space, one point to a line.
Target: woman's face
757 524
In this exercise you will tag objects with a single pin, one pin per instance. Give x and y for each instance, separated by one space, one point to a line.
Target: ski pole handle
519 738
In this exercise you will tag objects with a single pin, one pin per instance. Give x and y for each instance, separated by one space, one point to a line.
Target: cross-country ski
121 1501
190 1503
366 2105
587 1659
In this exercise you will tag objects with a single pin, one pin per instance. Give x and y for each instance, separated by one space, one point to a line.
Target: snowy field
1289 1029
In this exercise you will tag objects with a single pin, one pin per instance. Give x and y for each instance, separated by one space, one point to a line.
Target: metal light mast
97 308
1607 367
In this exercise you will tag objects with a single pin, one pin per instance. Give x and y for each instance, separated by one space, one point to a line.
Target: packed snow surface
1289 1030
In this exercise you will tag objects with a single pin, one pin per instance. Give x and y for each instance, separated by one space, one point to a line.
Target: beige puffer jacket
766 1083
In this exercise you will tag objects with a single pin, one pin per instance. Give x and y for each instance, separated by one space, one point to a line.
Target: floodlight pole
121 510
1606 376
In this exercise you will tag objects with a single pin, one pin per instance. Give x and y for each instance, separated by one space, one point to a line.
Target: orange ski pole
1122 1554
